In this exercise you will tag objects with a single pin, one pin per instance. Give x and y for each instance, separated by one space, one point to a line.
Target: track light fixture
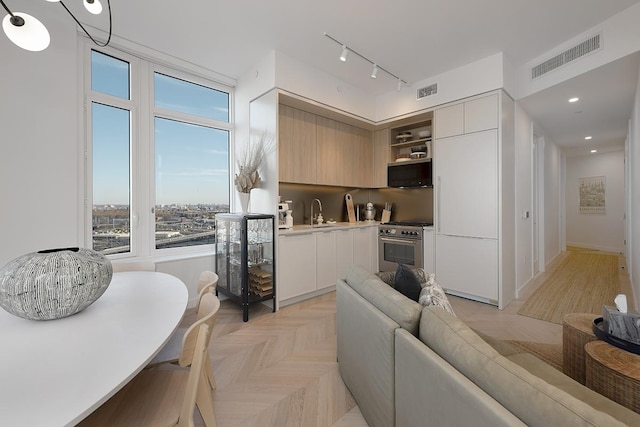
29 33
376 67
343 55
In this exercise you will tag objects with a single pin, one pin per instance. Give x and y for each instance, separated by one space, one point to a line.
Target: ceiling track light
29 33
343 55
376 67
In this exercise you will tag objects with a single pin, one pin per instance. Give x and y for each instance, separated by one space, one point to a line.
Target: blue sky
191 161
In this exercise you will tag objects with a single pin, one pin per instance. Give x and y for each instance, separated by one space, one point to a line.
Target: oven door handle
386 239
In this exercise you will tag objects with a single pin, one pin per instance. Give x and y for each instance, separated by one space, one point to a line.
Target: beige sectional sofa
408 365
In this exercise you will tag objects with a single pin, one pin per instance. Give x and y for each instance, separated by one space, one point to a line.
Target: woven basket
54 283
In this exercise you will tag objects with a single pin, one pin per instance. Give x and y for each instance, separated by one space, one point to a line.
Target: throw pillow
388 277
433 294
407 283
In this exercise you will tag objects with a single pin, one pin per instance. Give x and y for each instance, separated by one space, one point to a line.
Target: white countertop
56 372
306 228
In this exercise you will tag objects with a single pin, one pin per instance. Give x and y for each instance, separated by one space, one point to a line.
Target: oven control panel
401 232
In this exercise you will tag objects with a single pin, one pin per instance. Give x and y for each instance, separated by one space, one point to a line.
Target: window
157 156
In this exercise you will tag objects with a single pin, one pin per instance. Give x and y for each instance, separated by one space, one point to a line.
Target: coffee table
614 373
577 330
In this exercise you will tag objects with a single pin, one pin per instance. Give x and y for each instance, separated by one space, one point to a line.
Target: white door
466 185
344 252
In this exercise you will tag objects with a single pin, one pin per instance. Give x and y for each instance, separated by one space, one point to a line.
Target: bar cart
245 259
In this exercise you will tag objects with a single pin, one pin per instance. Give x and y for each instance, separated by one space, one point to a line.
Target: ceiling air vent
567 56
426 91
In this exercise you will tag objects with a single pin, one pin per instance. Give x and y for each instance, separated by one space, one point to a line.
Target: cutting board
350 212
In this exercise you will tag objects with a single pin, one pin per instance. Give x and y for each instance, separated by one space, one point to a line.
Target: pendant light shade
27 32
343 55
93 6
31 35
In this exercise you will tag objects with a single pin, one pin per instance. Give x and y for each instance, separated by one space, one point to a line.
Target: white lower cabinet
344 252
326 259
428 252
365 248
310 263
296 274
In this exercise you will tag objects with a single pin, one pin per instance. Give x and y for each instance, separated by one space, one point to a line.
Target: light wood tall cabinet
297 145
474 199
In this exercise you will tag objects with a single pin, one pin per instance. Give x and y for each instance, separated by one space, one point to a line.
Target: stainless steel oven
400 243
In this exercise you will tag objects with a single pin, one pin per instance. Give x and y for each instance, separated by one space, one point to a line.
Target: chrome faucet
320 213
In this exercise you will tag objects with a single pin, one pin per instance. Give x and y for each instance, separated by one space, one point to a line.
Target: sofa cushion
533 400
389 276
399 308
406 282
556 378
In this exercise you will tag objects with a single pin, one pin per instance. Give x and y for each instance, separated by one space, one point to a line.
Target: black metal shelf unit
245 259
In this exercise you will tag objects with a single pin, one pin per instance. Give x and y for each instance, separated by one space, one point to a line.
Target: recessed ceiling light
588 137
594 151
574 99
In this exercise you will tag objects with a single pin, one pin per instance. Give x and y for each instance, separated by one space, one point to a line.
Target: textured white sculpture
54 283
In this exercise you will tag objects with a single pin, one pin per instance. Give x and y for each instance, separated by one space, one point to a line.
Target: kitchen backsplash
408 204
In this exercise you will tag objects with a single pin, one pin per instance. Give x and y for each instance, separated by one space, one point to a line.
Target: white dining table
56 372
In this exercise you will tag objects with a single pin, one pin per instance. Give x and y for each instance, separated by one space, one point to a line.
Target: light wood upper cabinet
327 149
345 154
297 146
317 150
381 157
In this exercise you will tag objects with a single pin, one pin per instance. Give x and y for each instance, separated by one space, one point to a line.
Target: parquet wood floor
279 369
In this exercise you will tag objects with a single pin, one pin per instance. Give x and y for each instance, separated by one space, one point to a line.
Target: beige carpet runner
582 283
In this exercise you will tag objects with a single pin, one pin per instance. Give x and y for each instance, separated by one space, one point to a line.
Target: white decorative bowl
54 283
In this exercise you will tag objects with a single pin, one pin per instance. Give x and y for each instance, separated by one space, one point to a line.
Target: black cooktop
411 223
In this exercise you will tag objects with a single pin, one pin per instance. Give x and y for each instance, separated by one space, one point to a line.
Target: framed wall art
592 195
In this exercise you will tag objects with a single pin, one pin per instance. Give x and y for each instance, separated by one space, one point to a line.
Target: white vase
244 201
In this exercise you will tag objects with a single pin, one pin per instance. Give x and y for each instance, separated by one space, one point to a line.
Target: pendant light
29 33
25 31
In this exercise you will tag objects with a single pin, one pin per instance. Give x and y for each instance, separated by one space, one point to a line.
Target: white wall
472 79
620 36
39 145
524 225
553 164
633 189
303 80
597 231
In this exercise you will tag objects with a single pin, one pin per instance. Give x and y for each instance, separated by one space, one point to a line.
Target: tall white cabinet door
468 266
466 185
344 252
325 259
296 265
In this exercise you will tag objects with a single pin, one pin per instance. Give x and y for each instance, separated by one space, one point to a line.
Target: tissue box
625 326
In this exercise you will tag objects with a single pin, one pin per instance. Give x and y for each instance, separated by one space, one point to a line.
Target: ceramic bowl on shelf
418 155
424 133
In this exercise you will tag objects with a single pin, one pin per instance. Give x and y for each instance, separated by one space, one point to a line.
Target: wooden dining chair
171 351
167 395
